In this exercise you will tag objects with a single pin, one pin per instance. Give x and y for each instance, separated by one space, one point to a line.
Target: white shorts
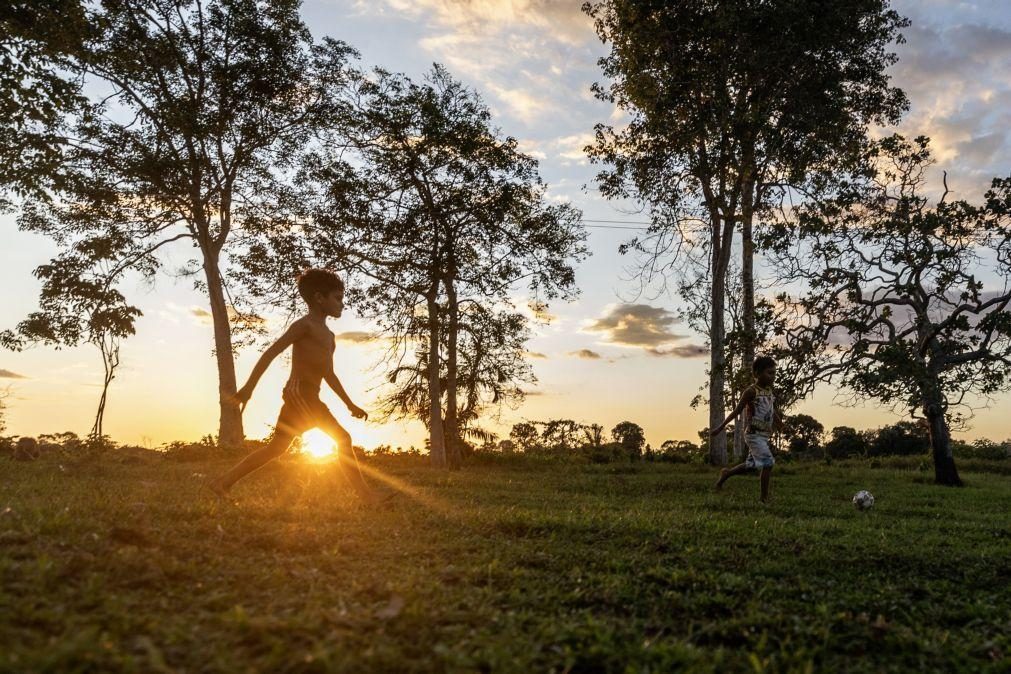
759 454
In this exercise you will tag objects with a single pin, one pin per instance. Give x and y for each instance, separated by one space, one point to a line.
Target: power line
627 229
620 222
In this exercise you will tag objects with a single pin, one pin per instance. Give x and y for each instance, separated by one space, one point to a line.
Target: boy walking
760 418
312 348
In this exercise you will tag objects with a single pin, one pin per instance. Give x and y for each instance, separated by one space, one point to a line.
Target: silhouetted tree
803 433
439 215
203 106
896 309
80 303
846 442
730 102
525 435
680 451
905 438
561 434
37 93
594 434
631 437
492 366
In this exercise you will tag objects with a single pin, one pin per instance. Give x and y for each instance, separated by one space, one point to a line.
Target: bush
906 438
680 451
982 449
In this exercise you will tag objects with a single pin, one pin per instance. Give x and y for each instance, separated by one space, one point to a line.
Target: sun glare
318 444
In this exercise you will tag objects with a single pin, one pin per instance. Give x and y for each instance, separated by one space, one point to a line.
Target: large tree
728 104
906 300
201 107
442 220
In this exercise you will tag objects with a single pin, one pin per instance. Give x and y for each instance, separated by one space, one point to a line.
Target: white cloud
957 79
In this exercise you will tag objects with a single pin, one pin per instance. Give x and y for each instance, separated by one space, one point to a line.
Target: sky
614 354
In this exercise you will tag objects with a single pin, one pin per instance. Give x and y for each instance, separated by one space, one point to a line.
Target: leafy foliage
440 218
895 308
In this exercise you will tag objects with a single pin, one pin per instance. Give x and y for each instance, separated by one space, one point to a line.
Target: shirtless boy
312 348
760 418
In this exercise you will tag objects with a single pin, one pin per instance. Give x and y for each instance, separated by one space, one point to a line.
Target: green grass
523 566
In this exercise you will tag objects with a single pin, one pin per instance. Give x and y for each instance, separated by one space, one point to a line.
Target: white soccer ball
863 500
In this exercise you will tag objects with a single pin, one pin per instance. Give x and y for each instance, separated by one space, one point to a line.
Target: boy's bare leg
766 474
275 448
728 473
347 460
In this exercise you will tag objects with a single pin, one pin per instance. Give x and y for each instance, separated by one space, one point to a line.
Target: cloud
956 77
571 147
586 354
535 354
636 325
563 19
356 337
204 317
7 374
685 351
533 58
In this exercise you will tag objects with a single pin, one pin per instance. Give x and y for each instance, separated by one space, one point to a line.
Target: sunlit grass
110 567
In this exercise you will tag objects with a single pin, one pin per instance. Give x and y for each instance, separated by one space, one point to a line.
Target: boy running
760 418
312 348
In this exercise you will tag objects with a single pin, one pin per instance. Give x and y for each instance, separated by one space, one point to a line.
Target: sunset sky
613 354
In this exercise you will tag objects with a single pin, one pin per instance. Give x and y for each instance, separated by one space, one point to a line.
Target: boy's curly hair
313 281
762 363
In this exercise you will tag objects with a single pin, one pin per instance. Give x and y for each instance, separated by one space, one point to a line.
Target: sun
318 444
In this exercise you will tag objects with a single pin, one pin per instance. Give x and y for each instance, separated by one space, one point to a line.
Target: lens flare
318 444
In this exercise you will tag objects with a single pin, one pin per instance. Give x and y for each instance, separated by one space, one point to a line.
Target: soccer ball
863 500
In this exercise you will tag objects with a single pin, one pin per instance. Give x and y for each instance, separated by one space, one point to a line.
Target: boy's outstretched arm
747 397
295 331
338 388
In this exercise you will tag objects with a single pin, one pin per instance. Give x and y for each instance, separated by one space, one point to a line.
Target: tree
680 451
730 103
200 108
80 303
846 442
441 218
492 365
36 96
631 437
524 435
594 434
905 438
907 301
560 434
803 433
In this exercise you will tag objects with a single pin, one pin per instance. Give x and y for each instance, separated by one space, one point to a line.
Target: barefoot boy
760 418
312 348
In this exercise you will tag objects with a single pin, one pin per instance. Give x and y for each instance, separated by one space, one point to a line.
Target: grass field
507 566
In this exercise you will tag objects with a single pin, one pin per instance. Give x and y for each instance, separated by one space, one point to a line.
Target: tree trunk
747 311
110 360
436 436
452 428
717 357
230 432
945 472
